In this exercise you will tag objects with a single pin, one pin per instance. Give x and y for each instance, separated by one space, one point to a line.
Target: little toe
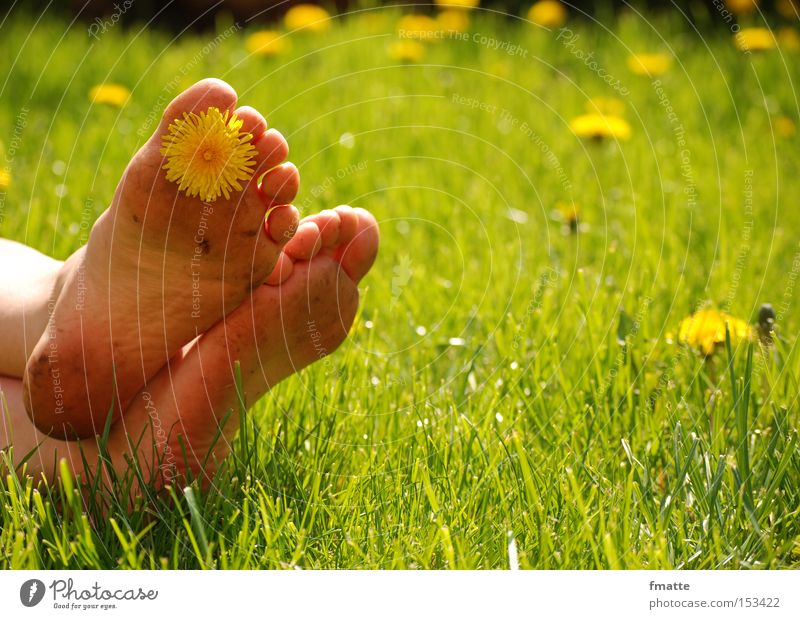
280 185
358 256
306 242
281 223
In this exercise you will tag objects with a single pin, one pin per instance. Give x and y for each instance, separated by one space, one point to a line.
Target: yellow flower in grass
310 17
605 105
5 178
569 213
458 4
266 43
112 94
207 154
406 51
785 127
741 7
548 13
754 39
453 20
788 38
651 65
599 126
419 27
705 330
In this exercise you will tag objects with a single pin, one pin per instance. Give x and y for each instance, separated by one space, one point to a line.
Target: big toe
358 255
206 93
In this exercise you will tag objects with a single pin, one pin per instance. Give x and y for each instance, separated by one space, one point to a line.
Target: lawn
513 380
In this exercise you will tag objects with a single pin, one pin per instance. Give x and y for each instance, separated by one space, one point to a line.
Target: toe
204 94
348 223
265 188
283 269
252 121
357 256
271 150
328 223
280 185
281 223
306 242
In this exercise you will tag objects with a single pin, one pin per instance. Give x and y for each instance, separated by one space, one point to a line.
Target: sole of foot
159 269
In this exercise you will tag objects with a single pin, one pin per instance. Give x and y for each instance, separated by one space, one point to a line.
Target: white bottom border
403 595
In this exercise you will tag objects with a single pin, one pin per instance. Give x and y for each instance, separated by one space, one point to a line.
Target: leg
28 283
17 431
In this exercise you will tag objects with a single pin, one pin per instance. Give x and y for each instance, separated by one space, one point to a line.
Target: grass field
508 380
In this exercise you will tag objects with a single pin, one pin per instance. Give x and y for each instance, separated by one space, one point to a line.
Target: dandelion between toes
114 329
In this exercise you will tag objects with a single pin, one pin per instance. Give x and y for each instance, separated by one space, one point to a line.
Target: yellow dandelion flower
453 20
605 105
754 39
207 154
705 330
741 7
788 38
266 43
406 51
651 65
310 17
458 4
548 13
5 178
569 213
418 27
790 9
112 94
600 126
785 127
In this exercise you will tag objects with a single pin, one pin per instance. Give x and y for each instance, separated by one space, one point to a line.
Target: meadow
514 390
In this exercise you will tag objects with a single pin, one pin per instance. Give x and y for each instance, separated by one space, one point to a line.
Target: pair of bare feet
148 319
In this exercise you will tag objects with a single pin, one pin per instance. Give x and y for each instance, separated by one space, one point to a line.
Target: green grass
504 377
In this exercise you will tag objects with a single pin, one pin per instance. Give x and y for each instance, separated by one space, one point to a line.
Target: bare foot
159 269
305 312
